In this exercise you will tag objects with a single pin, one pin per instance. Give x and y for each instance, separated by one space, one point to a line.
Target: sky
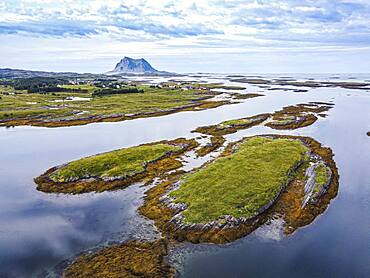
228 36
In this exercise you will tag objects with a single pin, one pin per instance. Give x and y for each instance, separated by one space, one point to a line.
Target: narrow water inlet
38 230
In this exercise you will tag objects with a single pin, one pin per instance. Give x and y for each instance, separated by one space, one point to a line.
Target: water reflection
38 230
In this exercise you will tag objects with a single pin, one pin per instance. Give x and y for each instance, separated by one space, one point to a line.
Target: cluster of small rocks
310 195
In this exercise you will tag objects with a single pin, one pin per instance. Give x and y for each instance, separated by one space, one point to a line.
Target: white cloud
111 29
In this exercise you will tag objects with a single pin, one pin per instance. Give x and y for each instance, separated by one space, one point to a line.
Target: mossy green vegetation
215 143
307 83
220 201
293 205
116 169
75 108
130 259
242 183
298 116
220 86
246 96
116 164
322 176
229 123
231 126
284 119
87 87
199 86
290 117
7 89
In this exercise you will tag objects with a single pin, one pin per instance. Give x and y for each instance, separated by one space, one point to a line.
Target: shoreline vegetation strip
70 105
116 169
148 258
168 216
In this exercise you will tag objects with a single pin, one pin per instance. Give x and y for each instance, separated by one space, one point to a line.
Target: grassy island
231 126
246 96
241 184
307 83
254 180
115 169
116 164
131 259
190 85
70 105
298 116
290 117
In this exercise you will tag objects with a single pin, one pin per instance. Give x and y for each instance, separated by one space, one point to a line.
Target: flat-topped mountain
130 65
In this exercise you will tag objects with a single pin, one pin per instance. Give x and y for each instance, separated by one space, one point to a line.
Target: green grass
321 178
152 100
87 87
203 85
219 86
28 113
235 122
123 163
7 89
239 184
284 119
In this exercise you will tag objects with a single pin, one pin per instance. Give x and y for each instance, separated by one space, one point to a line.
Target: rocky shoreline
167 216
298 116
153 169
148 258
296 83
288 118
135 258
215 143
43 121
225 128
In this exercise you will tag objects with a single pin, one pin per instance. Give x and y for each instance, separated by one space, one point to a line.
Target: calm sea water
38 230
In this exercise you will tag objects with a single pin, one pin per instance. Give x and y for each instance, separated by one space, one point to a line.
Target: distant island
129 66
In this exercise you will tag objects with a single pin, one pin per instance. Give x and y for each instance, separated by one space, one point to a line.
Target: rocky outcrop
312 190
130 65
135 258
